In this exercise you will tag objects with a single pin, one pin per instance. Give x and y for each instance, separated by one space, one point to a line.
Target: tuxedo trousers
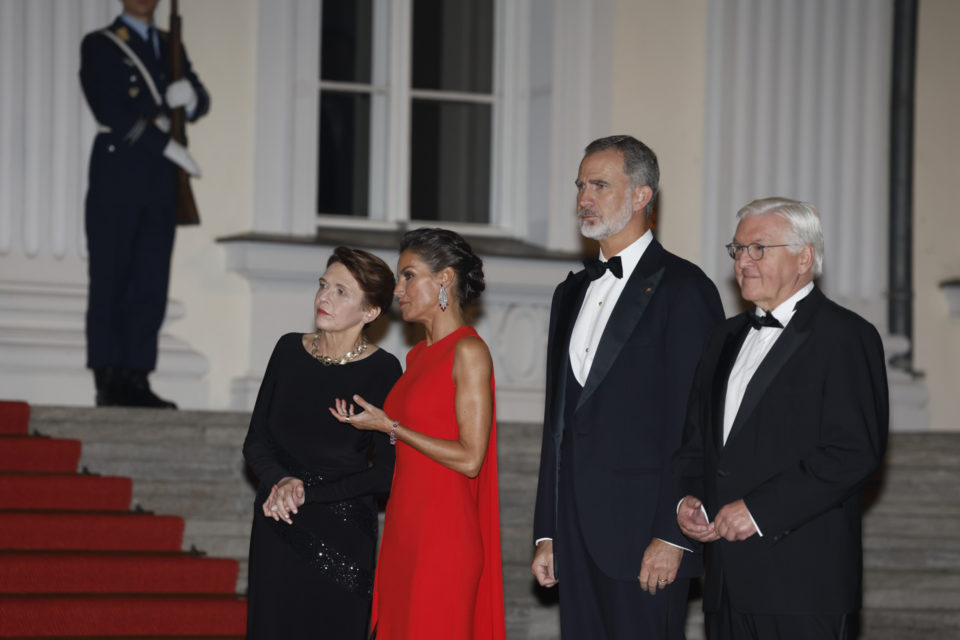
730 624
594 606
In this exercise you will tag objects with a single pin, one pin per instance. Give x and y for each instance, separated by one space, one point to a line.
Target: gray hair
639 162
804 222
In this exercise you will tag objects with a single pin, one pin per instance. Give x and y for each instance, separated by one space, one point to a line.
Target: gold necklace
344 359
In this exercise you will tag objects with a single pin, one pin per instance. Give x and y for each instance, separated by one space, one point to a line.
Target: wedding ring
661 581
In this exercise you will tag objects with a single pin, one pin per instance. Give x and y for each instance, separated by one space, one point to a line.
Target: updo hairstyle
442 248
372 274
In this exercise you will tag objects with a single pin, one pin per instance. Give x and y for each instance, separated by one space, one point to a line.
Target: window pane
345 41
344 153
450 161
453 45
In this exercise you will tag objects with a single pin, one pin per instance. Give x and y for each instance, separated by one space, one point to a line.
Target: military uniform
130 206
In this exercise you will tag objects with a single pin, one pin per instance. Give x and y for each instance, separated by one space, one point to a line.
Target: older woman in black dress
315 519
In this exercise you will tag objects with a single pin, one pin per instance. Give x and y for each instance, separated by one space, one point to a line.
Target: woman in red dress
439 574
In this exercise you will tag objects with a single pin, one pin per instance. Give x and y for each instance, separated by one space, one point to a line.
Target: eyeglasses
754 249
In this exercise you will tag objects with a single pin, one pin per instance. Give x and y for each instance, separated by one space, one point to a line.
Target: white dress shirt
755 348
598 304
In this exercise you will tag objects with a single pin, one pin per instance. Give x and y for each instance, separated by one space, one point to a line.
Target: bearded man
625 337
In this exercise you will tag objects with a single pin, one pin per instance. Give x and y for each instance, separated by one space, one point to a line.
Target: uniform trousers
130 225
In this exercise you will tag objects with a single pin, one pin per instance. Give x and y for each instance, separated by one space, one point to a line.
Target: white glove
181 94
162 122
178 155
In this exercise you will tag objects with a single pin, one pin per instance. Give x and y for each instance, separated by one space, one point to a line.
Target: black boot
109 387
137 392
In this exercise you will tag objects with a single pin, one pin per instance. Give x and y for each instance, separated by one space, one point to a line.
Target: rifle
186 206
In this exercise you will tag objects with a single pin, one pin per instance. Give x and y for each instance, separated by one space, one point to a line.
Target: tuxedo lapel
721 376
794 335
568 308
633 301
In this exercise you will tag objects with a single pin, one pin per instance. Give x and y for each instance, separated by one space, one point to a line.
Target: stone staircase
189 463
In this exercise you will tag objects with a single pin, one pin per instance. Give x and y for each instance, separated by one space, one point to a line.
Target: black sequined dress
313 579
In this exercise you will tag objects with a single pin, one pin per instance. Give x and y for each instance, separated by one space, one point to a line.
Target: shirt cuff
675 545
539 540
760 533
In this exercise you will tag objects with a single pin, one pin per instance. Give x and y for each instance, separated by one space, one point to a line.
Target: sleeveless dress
439 574
314 578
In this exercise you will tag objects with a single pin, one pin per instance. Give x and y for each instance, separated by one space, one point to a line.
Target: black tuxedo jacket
810 431
628 421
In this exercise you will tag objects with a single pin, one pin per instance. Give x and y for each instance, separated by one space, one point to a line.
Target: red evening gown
439 574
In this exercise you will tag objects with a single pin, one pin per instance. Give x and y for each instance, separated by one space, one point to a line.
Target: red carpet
26 490
30 453
112 572
14 417
76 563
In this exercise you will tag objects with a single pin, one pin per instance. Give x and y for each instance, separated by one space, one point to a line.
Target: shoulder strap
136 61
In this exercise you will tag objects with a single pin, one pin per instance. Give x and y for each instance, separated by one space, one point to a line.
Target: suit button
110 148
723 473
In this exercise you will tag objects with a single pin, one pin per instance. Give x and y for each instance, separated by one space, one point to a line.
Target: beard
603 228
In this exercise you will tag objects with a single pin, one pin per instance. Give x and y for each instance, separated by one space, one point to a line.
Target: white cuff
675 545
760 533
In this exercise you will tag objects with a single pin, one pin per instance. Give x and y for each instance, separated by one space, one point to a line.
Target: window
407 104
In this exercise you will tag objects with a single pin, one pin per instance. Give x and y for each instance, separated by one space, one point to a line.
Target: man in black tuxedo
787 421
625 337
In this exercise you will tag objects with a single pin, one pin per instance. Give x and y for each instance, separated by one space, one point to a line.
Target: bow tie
595 267
763 321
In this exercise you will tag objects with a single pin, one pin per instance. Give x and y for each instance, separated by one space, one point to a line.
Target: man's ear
805 258
642 196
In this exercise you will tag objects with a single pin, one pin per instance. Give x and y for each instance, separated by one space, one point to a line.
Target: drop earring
442 297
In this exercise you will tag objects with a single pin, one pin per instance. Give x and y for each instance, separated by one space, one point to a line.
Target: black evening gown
314 578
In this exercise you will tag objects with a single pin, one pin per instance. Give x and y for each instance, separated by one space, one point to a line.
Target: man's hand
181 94
693 521
733 522
542 567
178 155
659 566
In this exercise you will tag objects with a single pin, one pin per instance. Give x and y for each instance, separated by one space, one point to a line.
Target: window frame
389 182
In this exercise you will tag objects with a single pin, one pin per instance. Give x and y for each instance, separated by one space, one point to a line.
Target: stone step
911 590
930 527
899 542
912 558
193 499
915 484
924 450
915 509
905 624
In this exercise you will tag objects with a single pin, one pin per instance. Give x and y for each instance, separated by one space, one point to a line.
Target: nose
744 258
398 290
584 199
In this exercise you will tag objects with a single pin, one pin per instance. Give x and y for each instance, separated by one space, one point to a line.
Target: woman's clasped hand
284 498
